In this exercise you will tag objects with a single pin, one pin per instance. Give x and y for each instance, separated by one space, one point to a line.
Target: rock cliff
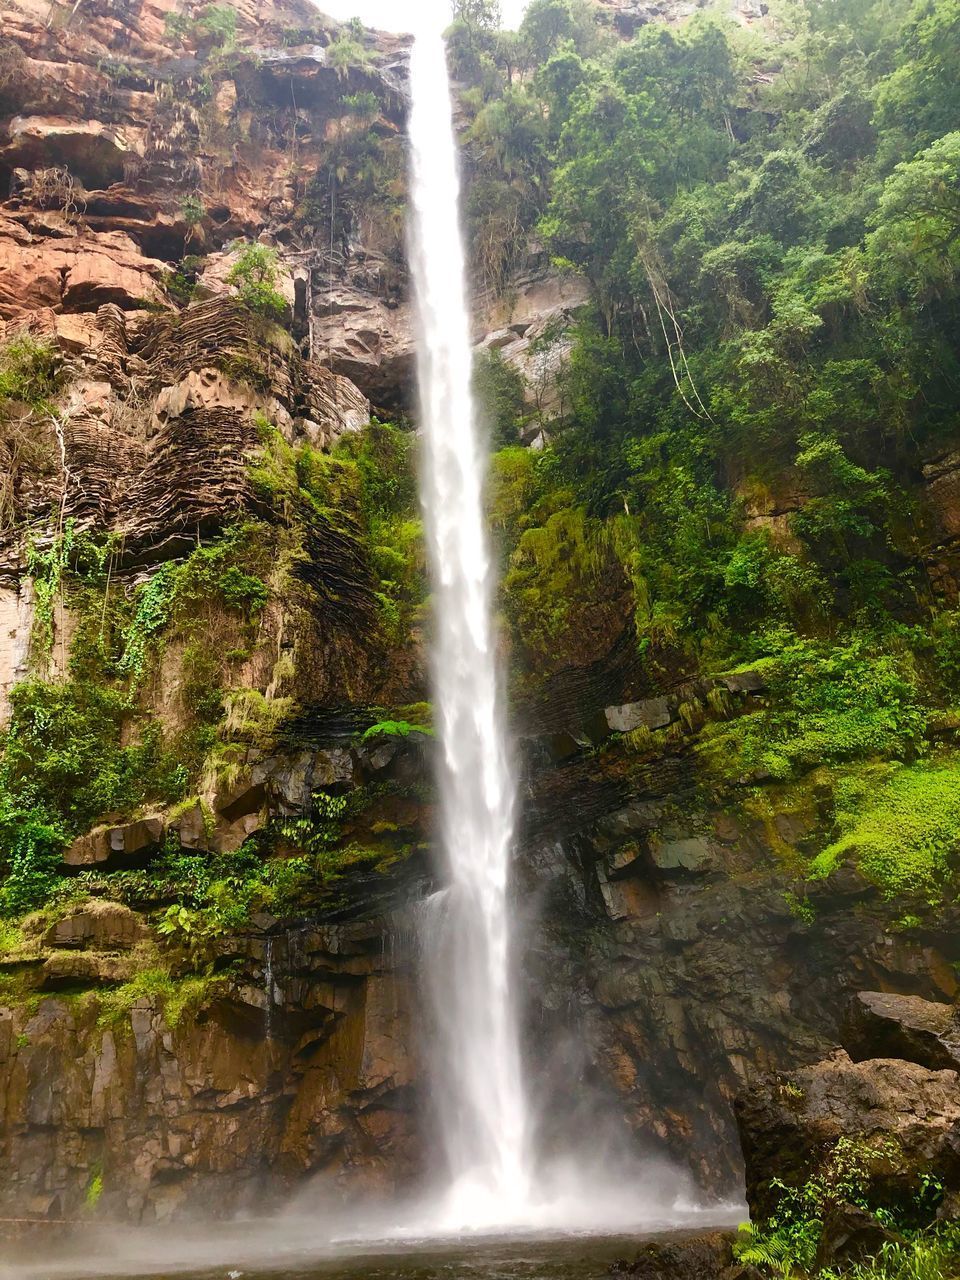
197 392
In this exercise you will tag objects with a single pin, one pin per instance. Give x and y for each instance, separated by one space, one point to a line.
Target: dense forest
769 220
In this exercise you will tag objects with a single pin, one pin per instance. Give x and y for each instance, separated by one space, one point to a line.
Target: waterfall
476 1077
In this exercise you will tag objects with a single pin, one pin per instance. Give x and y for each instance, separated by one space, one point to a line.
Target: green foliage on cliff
828 703
395 729
82 749
30 370
212 23
900 826
499 392
850 1173
255 276
770 224
63 765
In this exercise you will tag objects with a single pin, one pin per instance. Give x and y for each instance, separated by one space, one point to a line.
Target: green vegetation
178 997
212 23
363 496
181 283
347 52
192 210
769 222
919 1248
828 703
363 175
499 390
94 1191
395 729
30 371
255 276
220 22
83 749
901 825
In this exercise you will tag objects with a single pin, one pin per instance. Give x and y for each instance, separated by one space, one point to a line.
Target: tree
499 392
549 24
255 276
916 243
483 15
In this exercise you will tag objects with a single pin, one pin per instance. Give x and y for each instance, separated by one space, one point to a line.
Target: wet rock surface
310 1073
879 1024
701 1257
906 1116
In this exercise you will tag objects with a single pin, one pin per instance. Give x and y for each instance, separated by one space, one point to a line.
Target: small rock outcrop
904 1117
882 1025
702 1257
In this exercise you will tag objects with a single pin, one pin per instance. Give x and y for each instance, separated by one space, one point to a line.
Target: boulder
788 1123
681 853
64 969
700 1257
745 682
655 713
191 827
242 800
291 780
850 1234
101 926
116 846
879 1024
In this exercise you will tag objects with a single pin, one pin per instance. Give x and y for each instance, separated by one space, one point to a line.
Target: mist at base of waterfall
386 1246
454 1231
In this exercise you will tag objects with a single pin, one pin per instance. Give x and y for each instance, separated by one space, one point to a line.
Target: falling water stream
476 1078
492 1187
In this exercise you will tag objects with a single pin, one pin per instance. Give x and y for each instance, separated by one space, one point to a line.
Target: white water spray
477 1080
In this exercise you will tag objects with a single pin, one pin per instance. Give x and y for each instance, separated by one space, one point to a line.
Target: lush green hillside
771 223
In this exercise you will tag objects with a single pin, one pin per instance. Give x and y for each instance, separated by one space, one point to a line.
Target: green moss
556 565
178 997
50 562
900 826
395 729
94 1191
11 937
826 704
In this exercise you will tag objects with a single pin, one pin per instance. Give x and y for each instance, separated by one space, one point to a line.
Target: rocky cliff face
273 1080
179 1071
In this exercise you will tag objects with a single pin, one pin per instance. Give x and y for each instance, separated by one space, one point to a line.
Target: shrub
193 210
827 703
254 276
30 370
786 1244
11 66
220 21
347 52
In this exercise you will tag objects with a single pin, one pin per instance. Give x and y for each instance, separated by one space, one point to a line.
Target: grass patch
30 371
178 997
